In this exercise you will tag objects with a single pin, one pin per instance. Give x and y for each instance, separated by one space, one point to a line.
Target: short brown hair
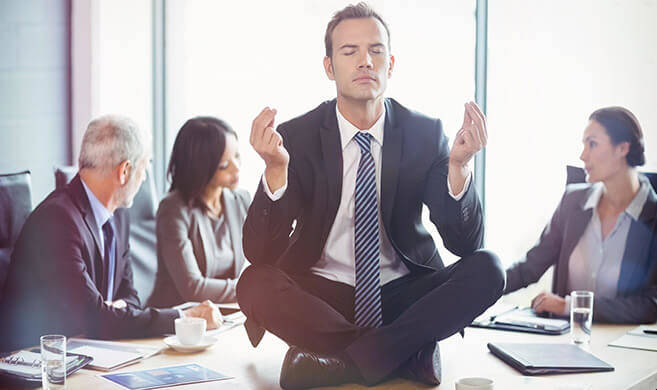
622 126
360 10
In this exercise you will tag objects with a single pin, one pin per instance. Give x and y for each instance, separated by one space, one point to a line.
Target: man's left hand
548 302
472 137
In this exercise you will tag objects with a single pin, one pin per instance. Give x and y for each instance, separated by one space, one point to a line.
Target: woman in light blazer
603 235
199 223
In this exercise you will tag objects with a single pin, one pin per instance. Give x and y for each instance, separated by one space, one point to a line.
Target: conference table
259 368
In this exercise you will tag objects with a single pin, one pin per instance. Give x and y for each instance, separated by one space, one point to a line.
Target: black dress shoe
302 370
423 366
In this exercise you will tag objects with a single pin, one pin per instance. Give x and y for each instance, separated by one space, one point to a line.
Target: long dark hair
196 154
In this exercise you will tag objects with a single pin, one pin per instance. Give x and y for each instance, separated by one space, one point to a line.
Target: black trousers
317 314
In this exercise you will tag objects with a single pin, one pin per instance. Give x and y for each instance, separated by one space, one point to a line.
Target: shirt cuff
463 191
566 309
277 194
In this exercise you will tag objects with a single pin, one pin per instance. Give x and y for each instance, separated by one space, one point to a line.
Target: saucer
173 342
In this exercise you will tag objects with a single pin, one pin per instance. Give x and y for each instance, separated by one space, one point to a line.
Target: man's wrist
276 177
457 176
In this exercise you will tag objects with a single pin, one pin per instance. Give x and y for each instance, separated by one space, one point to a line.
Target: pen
650 331
492 318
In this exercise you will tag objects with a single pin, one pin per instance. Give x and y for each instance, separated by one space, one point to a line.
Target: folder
541 359
520 320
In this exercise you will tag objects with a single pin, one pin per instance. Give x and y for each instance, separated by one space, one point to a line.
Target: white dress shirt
595 263
337 261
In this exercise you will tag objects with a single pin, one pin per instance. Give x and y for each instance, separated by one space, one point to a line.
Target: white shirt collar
348 130
633 209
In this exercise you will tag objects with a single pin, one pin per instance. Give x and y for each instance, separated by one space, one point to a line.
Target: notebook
111 355
540 359
505 317
24 367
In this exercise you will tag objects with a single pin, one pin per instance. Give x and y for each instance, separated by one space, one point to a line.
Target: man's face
360 63
137 176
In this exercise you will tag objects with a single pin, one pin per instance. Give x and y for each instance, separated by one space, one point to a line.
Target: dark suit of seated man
357 287
70 271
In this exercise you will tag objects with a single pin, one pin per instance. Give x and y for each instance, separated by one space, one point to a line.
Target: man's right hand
268 143
208 311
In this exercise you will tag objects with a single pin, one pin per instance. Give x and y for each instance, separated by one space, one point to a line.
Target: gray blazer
636 297
184 238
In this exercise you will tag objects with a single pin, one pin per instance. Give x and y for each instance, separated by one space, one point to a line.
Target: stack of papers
637 338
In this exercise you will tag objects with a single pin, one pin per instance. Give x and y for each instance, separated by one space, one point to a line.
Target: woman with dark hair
199 223
602 237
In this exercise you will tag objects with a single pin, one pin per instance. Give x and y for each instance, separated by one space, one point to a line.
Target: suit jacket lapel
332 159
231 207
80 198
390 160
577 221
636 259
95 263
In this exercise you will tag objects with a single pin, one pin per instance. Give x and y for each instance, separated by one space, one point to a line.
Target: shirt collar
633 209
101 214
636 205
348 130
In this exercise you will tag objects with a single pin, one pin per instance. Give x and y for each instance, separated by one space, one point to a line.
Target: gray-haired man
70 271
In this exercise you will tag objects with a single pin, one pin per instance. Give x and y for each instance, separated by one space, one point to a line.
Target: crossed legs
317 314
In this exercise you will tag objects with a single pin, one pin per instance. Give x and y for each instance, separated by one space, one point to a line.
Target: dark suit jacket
55 278
636 297
414 171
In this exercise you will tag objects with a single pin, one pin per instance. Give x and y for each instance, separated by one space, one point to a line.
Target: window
550 65
231 59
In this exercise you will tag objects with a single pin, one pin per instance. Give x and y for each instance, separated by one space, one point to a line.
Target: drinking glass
581 316
53 362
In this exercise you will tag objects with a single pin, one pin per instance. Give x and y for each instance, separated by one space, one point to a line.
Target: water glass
53 362
581 316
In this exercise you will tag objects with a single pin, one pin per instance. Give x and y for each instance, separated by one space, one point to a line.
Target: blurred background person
70 271
199 222
601 238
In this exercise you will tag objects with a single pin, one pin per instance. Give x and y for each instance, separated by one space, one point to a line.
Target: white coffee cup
190 330
474 384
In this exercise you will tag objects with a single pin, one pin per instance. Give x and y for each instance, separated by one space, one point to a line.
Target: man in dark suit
343 269
70 271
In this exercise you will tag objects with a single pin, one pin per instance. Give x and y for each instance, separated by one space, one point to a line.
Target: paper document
105 359
165 377
635 340
111 355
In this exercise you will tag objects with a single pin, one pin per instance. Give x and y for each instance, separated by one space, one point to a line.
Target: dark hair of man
358 11
195 157
622 126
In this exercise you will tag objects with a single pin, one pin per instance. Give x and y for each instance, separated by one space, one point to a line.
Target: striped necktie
367 303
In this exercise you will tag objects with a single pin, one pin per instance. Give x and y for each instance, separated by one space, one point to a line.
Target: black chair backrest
578 175
15 206
144 205
64 174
